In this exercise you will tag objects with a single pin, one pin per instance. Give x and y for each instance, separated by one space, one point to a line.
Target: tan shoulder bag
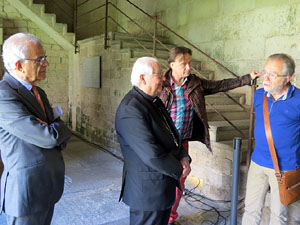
288 181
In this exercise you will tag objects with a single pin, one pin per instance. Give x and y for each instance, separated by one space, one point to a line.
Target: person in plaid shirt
183 96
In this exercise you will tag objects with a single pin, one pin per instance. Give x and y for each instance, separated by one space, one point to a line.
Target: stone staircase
46 22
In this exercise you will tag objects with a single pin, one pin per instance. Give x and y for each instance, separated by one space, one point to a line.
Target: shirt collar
23 82
287 95
172 83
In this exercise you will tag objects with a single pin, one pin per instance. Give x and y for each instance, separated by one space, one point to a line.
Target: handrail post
237 142
75 28
154 36
251 126
106 24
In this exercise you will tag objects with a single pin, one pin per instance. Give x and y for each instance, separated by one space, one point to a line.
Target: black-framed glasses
272 75
41 61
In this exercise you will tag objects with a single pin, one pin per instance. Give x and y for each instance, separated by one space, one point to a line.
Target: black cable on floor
204 203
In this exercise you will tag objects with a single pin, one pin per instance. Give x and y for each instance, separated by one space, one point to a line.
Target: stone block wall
93 109
214 169
56 84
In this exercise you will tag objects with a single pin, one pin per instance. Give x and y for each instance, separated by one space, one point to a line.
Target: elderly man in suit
154 158
31 137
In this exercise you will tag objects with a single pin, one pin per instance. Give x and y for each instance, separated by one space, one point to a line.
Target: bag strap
270 139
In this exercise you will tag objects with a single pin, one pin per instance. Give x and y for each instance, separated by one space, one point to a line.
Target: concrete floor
93 180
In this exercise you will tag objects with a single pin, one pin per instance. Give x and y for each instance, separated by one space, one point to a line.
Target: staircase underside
45 22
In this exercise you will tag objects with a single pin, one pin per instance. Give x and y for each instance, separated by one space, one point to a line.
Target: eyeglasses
272 75
41 61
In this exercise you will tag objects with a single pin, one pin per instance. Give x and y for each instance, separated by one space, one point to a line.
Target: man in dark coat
154 159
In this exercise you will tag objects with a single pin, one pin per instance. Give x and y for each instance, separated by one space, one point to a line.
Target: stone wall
56 84
93 109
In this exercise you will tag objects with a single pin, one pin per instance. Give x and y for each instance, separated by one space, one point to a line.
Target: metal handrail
96 21
94 9
70 5
251 126
64 10
147 50
106 25
188 42
75 28
152 36
82 3
227 120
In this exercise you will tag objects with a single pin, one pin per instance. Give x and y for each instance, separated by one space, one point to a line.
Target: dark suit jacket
33 176
152 165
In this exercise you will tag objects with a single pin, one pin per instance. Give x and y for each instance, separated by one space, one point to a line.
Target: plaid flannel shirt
181 110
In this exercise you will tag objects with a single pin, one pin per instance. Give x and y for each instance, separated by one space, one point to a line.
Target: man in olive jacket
154 159
183 95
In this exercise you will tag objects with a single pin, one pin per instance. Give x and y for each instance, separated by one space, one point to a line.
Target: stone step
61 28
231 112
45 21
38 9
222 130
124 36
136 52
49 18
70 37
135 44
221 98
27 2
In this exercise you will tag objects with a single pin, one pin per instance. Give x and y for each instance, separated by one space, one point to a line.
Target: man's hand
41 121
186 166
254 74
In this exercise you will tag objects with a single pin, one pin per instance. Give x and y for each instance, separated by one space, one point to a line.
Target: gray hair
142 65
289 63
15 48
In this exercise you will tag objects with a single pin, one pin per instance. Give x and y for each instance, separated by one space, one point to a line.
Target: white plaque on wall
91 72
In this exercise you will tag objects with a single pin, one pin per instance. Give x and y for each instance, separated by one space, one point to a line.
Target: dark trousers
138 217
40 218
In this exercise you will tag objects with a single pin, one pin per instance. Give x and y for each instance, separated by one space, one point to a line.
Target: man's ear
19 66
142 79
287 79
172 65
